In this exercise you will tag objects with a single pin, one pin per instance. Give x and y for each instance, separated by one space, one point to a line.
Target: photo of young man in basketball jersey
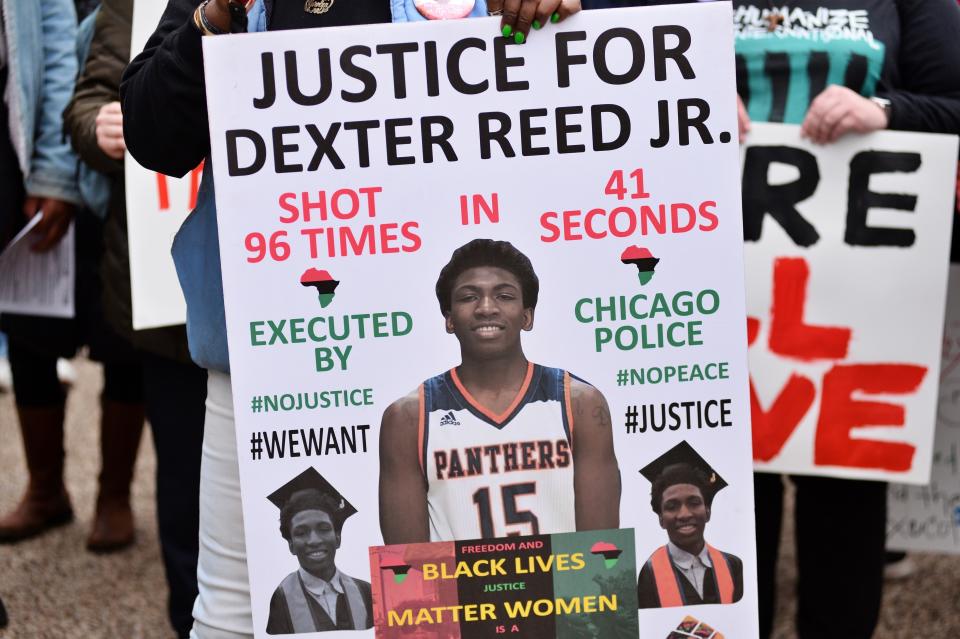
498 445
687 570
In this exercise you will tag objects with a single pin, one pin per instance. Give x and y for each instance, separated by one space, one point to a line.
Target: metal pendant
317 7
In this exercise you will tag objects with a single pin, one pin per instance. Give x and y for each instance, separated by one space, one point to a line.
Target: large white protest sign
927 518
846 253
34 283
157 205
350 164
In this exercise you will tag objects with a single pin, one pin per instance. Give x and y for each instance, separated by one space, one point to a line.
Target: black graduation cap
312 481
683 453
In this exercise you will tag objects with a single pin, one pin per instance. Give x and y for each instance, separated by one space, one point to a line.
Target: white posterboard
846 253
34 283
927 518
157 205
339 199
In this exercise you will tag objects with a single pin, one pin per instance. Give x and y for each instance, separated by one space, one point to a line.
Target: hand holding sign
839 110
217 13
520 15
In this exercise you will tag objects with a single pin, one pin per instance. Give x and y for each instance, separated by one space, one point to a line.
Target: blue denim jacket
196 248
42 69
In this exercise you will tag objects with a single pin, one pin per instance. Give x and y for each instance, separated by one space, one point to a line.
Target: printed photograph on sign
691 627
316 597
498 459
687 570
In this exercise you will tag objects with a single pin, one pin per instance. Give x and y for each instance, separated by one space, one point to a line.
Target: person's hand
218 14
743 119
520 15
109 129
839 110
57 216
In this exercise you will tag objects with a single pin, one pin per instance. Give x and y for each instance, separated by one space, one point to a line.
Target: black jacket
162 91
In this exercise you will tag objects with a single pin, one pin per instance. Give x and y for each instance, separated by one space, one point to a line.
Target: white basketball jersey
498 475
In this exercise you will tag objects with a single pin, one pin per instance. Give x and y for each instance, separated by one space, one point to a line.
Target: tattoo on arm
600 412
602 415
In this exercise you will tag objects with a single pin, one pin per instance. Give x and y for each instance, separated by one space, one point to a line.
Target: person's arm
51 185
92 118
53 165
403 491
596 476
163 99
929 98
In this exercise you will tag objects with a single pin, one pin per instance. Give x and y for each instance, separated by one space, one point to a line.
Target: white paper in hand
37 283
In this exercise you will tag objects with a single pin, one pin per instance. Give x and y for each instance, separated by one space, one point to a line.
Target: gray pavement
55 589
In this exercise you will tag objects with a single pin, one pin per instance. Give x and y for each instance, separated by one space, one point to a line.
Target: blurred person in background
174 388
38 174
895 67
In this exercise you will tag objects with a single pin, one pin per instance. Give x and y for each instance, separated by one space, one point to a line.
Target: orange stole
668 590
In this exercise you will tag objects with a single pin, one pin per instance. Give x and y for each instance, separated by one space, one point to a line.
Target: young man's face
486 311
314 541
684 515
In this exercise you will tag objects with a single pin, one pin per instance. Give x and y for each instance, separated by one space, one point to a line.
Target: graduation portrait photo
686 570
488 448
316 596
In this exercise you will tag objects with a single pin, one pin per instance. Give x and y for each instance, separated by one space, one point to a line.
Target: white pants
222 610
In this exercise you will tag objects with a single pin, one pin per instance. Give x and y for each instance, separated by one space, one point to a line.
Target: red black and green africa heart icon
323 282
610 553
643 259
397 567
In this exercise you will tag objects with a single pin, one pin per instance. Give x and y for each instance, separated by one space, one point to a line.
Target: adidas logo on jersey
449 420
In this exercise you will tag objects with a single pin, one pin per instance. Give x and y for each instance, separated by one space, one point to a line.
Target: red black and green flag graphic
643 259
609 552
323 282
397 567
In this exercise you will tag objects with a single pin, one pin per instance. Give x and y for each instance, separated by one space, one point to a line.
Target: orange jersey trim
420 431
498 419
568 405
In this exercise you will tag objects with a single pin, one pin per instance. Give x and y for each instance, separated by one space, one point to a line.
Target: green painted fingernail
555 18
506 30
519 37
536 24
